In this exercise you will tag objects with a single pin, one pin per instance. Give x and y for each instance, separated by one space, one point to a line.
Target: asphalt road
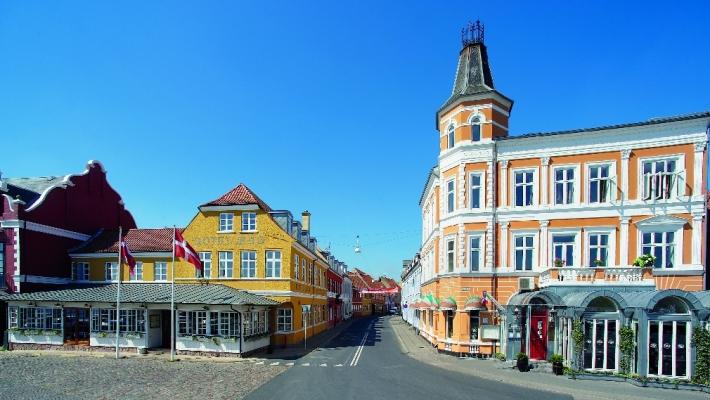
366 362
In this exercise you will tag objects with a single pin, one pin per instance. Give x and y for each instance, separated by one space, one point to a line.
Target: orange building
524 234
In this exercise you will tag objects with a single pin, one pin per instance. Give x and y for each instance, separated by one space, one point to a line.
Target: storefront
211 319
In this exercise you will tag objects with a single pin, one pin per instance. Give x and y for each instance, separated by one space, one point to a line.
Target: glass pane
646 238
653 348
593 240
592 256
528 196
670 166
680 349
588 329
528 260
669 256
647 168
599 350
594 172
569 255
611 345
658 253
475 180
519 177
559 194
604 171
667 343
570 174
529 241
604 257
519 196
594 191
518 260
476 198
475 258
559 174
519 241
476 133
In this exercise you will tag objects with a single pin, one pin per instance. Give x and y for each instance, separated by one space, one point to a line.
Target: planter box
17 337
648 383
600 377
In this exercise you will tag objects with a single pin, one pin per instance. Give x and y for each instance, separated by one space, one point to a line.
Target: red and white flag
183 250
127 257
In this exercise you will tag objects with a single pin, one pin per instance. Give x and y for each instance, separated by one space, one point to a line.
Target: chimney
306 220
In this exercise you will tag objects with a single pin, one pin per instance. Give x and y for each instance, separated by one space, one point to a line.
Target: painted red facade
41 219
335 293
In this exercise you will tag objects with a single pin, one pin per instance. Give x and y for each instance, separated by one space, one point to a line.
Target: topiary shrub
626 348
701 341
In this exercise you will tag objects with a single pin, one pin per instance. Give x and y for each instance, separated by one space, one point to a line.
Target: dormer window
450 137
475 129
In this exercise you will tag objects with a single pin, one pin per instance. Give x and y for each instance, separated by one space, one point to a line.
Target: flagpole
118 291
172 304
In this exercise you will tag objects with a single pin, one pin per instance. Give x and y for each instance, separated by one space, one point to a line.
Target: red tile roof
240 195
138 240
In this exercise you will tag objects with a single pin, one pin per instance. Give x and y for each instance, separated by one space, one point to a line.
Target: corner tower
475 111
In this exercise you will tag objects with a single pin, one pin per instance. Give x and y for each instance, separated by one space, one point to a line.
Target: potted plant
559 263
598 263
557 367
644 261
522 362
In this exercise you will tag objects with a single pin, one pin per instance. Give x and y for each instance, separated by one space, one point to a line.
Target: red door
538 337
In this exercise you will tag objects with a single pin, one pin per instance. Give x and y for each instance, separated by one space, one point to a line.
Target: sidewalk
418 348
296 351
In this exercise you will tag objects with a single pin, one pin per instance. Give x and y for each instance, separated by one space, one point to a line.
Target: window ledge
249 231
221 232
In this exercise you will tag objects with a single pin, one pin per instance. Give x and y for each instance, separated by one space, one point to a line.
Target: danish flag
127 257
183 250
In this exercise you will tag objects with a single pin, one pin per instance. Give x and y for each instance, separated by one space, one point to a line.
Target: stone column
504 245
698 168
623 244
503 183
625 155
544 184
543 256
697 239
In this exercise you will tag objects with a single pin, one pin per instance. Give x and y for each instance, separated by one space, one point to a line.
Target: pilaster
503 183
544 184
698 168
543 256
625 155
624 241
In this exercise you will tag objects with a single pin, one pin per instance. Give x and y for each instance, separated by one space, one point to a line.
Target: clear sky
321 106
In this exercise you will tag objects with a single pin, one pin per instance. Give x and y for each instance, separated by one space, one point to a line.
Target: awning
474 303
448 304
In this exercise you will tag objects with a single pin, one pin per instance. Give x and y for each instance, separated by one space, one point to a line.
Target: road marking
274 363
306 364
338 365
260 363
358 352
324 365
289 364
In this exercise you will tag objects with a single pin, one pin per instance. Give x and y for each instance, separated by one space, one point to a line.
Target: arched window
475 129
671 305
602 304
450 136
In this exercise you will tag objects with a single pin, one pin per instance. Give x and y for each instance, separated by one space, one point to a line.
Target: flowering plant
598 262
646 260
559 263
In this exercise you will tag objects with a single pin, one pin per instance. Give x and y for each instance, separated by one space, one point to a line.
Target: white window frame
250 263
676 227
284 320
534 184
79 266
137 275
450 136
688 343
679 183
611 196
606 340
225 264
611 246
535 259
481 251
226 222
575 184
155 270
481 187
111 271
206 260
273 262
296 266
248 221
577 233
447 240
450 192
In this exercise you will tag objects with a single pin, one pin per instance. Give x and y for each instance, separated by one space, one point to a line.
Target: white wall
187 344
16 337
110 340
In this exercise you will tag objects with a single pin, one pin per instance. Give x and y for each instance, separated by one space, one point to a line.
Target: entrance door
165 328
76 325
538 337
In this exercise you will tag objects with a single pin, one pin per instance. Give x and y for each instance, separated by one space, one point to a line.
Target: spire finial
472 33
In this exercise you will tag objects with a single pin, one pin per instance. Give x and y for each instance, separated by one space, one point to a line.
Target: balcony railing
568 276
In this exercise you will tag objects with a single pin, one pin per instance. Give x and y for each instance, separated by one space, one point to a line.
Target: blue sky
321 106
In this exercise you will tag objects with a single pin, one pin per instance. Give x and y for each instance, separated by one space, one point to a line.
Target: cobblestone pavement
49 376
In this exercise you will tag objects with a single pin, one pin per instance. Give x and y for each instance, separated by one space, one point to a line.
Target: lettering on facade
226 241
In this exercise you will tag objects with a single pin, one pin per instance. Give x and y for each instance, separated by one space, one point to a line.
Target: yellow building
243 244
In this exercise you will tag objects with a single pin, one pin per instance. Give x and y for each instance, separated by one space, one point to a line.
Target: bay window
208 323
35 318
